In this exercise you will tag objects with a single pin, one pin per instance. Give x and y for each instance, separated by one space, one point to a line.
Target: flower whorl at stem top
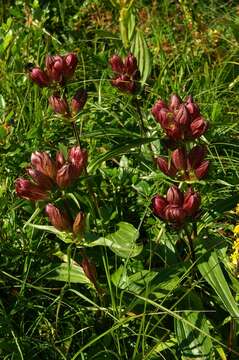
176 207
60 105
58 69
187 166
127 73
180 121
47 173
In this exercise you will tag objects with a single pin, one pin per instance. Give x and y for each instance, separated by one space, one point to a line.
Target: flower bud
55 67
78 101
192 107
202 170
117 64
191 202
175 214
42 162
166 167
29 191
198 127
182 116
70 64
89 269
44 181
59 105
65 175
179 159
130 64
158 106
174 196
59 219
39 77
79 224
158 205
196 156
78 158
174 102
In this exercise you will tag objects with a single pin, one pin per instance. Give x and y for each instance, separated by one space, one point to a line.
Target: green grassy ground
160 303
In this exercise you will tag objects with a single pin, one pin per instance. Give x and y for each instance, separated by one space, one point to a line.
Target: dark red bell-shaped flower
65 175
79 224
192 107
174 102
192 201
55 67
166 167
44 181
58 218
70 64
59 105
117 64
78 101
130 64
39 77
42 162
29 191
179 159
158 205
198 127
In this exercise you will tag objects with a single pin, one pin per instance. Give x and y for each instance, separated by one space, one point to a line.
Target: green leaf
119 150
193 344
122 242
140 49
209 267
62 235
69 273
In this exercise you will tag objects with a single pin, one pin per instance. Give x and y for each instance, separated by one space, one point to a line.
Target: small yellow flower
236 230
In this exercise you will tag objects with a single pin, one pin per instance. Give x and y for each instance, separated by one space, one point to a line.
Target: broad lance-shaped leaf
209 267
140 49
73 273
122 242
193 344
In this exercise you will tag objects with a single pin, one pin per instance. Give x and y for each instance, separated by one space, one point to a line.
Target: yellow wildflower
236 229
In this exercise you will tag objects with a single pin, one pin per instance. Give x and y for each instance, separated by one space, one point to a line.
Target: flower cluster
177 206
58 70
127 73
47 173
180 120
186 166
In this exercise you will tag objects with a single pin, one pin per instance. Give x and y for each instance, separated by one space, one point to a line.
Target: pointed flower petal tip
174 196
59 105
58 218
39 77
182 116
174 102
29 191
78 101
